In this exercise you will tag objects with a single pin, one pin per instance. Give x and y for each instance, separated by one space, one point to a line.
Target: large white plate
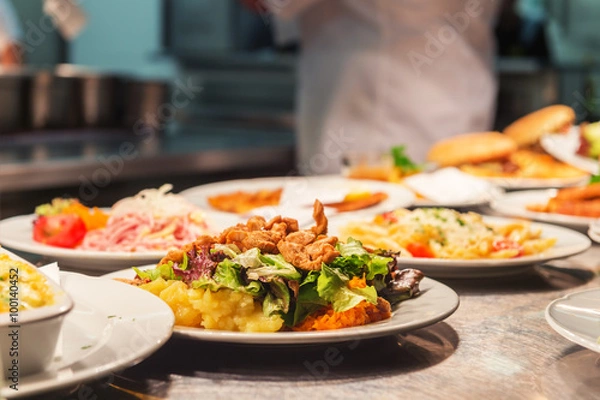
564 147
299 194
515 204
112 327
436 302
576 316
16 233
568 243
531 183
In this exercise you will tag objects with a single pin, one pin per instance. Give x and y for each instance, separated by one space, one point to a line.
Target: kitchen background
194 91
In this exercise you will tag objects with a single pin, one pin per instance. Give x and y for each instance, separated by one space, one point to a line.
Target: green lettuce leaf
164 271
378 265
228 274
266 266
332 286
308 300
230 250
277 299
354 261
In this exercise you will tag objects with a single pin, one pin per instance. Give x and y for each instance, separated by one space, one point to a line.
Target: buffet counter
497 345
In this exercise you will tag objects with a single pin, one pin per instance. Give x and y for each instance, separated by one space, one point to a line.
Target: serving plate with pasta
444 243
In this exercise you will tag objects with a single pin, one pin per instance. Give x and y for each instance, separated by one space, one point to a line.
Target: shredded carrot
357 282
362 314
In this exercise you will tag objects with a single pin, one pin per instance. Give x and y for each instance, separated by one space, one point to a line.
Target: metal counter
49 159
497 345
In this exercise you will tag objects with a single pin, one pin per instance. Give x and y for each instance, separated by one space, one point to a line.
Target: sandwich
529 129
494 154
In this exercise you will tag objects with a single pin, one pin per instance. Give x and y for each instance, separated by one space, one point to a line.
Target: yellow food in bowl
222 310
31 290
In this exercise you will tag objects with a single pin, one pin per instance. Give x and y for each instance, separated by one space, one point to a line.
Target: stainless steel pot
14 100
147 110
100 96
55 101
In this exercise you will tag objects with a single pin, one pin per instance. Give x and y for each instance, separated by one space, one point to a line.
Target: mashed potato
33 290
223 310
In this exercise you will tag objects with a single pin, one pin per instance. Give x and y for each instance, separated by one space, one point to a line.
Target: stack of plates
594 231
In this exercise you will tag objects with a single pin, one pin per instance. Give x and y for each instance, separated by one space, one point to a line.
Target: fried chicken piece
277 222
266 241
320 219
256 223
303 250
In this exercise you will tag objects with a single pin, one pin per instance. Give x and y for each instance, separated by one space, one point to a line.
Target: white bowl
28 338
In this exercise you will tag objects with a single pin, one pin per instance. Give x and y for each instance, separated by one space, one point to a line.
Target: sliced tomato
420 250
507 244
63 230
389 216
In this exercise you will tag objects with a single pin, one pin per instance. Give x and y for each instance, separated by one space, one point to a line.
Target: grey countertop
497 345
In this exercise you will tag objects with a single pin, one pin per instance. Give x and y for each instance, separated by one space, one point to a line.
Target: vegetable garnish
272 276
153 219
402 161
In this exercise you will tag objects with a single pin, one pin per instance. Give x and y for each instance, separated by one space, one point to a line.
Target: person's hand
11 55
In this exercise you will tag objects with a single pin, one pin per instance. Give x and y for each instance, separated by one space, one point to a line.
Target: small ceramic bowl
28 338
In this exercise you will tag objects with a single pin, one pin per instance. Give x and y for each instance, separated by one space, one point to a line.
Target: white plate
299 194
112 327
514 204
568 244
576 316
436 302
480 201
594 235
530 183
564 147
16 234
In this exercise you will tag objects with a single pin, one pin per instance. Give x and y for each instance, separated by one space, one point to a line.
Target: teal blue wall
122 36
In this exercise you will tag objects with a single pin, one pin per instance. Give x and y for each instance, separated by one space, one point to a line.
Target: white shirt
10 30
378 73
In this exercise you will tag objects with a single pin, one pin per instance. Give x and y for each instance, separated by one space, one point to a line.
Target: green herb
85 347
594 179
402 161
111 316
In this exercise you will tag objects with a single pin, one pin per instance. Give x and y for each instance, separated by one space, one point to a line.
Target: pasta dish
446 233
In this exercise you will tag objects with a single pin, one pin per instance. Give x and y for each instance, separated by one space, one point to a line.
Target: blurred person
10 35
373 74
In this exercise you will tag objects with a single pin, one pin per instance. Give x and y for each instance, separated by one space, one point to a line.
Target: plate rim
535 183
191 192
377 329
492 266
552 218
564 331
101 368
